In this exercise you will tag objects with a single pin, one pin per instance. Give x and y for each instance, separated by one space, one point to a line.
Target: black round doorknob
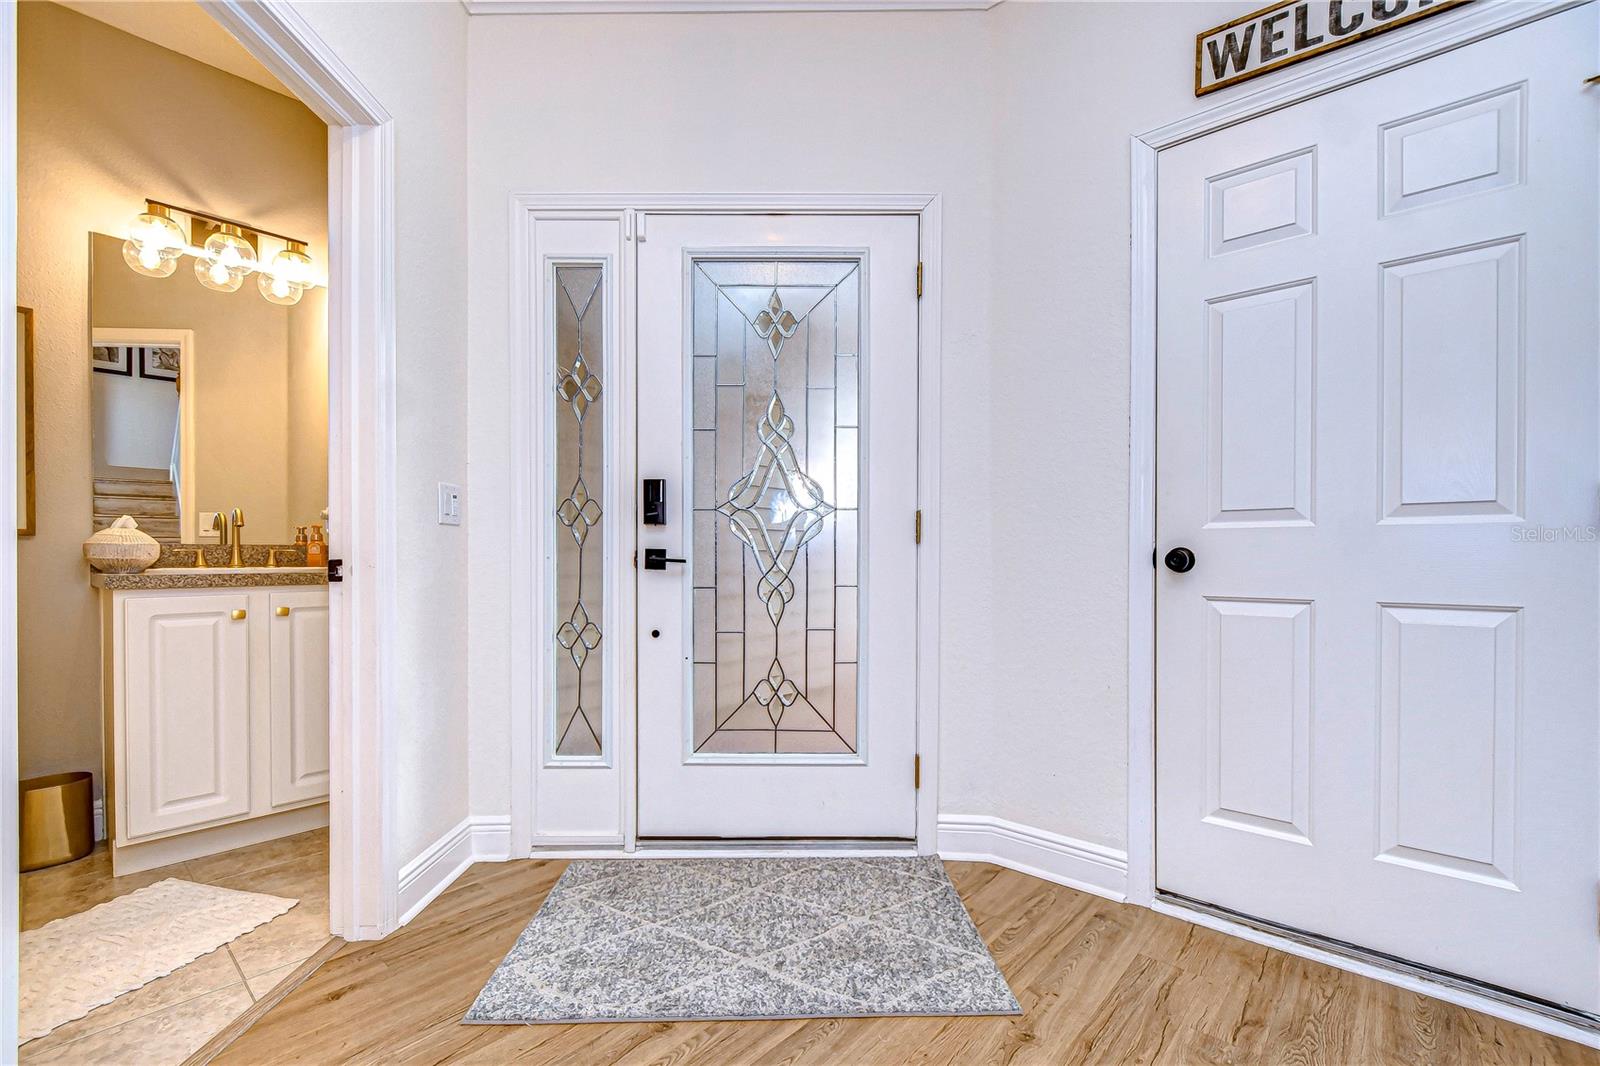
1180 560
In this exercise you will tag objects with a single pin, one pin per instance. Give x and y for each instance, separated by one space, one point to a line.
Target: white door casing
1376 690
363 610
707 774
563 798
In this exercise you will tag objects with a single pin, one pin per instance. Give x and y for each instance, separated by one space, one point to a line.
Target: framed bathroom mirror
204 401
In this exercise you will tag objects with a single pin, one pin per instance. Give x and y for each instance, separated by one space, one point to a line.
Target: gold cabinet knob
283 612
238 615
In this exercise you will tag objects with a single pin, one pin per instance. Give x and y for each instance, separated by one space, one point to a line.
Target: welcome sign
1287 32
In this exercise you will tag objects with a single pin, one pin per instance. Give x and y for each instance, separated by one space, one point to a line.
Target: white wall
1021 117
412 57
809 102
134 421
1036 713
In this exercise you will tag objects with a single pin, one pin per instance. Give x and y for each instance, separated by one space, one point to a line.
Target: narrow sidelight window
577 724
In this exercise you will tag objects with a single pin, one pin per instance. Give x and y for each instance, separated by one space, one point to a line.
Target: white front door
1377 395
777 367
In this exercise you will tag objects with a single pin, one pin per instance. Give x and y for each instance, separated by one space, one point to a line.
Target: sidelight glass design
578 313
776 385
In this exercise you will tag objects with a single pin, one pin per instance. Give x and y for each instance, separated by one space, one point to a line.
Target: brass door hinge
919 527
919 279
916 772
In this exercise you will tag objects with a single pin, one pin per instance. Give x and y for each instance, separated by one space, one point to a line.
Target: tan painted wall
106 119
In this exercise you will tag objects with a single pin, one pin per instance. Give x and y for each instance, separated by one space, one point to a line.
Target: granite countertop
218 578
162 576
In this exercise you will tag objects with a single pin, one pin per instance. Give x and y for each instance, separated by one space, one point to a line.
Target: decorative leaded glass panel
579 311
776 384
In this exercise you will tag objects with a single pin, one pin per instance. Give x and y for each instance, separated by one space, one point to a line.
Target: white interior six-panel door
1377 396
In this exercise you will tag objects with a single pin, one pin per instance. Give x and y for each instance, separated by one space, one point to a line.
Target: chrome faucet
237 560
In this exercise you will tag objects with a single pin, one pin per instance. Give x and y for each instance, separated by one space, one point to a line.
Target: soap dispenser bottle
316 548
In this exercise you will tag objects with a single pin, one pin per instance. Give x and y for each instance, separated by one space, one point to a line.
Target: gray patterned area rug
718 939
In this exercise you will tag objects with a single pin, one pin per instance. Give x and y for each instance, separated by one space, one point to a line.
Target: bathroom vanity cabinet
216 717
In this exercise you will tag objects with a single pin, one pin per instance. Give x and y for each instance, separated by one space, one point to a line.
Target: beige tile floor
168 1019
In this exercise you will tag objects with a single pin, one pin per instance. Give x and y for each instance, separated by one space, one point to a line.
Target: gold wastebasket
57 819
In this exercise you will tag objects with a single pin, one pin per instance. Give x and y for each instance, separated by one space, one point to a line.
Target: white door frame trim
525 697
1473 23
362 616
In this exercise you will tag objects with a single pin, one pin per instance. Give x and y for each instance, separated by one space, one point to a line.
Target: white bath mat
75 964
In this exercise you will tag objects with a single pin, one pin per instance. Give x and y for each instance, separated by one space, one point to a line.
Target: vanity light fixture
286 278
225 260
154 243
225 252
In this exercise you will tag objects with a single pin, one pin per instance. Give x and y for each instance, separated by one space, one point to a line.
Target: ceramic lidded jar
121 548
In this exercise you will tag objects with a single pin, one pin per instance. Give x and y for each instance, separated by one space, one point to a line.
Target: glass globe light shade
285 280
154 244
226 260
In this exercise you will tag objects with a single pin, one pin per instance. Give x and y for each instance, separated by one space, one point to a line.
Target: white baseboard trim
181 846
1037 852
491 838
483 838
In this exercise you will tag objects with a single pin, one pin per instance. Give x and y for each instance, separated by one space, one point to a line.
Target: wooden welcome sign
1287 32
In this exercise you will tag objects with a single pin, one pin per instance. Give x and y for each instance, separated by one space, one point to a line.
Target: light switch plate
449 504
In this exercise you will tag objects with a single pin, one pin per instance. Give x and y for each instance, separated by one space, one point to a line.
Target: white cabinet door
1376 688
186 712
298 667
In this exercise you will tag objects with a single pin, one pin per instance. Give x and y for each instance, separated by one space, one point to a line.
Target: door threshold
714 848
777 842
1544 1015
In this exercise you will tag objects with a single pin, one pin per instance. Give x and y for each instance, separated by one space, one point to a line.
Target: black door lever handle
656 559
